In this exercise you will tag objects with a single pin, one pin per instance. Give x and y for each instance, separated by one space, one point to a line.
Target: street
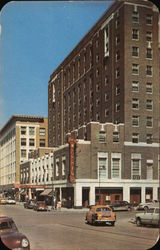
66 230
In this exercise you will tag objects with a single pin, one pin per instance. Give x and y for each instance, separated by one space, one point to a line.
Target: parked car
10 201
40 206
146 205
149 217
120 206
29 204
100 214
2 201
10 236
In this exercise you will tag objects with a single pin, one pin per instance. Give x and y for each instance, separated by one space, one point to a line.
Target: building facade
20 135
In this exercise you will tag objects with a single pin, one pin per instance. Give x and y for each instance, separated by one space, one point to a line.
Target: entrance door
85 197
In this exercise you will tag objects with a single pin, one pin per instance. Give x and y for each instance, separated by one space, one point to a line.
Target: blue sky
35 38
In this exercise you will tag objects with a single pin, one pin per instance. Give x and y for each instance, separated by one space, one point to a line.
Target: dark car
29 204
41 206
10 236
120 206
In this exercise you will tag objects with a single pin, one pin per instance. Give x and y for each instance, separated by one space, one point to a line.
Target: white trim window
57 167
63 166
135 166
116 166
102 165
149 171
106 42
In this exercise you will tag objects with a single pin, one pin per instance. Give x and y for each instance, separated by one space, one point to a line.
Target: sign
72 143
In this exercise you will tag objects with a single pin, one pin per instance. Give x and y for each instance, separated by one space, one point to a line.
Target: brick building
105 95
19 136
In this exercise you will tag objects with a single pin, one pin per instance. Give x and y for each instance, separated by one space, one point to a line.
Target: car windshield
7 225
103 209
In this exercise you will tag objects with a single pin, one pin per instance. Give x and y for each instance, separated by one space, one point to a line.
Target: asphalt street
67 230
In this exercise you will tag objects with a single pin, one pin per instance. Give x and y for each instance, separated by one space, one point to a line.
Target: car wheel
113 223
145 208
138 222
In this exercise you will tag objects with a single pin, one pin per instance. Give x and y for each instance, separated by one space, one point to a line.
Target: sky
35 37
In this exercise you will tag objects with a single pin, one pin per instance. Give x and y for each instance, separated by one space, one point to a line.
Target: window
31 142
117 39
149 121
57 167
149 138
23 153
135 103
149 19
23 130
149 53
42 143
136 167
135 17
117 72
115 168
149 70
118 107
135 86
149 104
135 51
148 36
42 131
135 137
23 141
135 120
117 90
31 130
102 136
115 136
149 88
135 34
149 172
117 55
106 42
63 166
135 69
117 22
102 166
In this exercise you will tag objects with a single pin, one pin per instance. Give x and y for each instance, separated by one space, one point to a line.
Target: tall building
105 96
20 135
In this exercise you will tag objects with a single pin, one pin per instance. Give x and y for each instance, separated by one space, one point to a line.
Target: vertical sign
71 153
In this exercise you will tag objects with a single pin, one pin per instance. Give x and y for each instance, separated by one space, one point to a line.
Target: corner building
105 95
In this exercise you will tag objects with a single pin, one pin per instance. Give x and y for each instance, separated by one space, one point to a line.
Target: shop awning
46 192
22 192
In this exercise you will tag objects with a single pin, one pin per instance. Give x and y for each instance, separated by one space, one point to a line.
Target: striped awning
46 192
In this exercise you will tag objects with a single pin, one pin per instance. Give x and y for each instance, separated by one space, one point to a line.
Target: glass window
149 121
115 168
31 142
135 51
31 130
42 131
135 169
63 166
149 70
117 90
135 120
23 153
23 141
102 167
135 17
148 36
117 55
149 104
149 19
23 130
117 72
149 138
115 136
135 103
149 87
57 168
135 34
135 137
42 143
117 107
135 69
149 172
102 136
135 86
149 53
117 39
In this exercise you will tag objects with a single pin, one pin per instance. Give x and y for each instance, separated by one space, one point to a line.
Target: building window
135 34
23 153
136 167
42 143
117 22
149 19
117 39
106 42
102 166
135 137
23 130
63 166
102 136
135 103
135 51
135 86
42 131
31 130
148 36
149 88
117 72
149 121
135 17
57 167
31 142
149 139
118 107
135 69
23 141
149 104
117 90
117 55
135 120
149 172
149 70
149 53
115 136
116 167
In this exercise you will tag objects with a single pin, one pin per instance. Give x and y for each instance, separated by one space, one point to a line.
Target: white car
10 201
146 205
149 217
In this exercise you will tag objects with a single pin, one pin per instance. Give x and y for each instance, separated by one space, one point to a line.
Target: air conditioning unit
149 45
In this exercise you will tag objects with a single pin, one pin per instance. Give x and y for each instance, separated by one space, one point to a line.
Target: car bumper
104 220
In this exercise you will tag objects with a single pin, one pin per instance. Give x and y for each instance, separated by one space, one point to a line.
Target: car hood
12 239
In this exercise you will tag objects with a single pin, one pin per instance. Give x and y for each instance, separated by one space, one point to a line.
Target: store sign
72 145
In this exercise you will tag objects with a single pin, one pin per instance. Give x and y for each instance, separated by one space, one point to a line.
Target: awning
23 192
46 192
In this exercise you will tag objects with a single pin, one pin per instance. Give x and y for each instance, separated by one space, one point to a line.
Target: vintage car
120 206
29 204
149 217
10 201
40 206
10 236
100 214
146 205
2 201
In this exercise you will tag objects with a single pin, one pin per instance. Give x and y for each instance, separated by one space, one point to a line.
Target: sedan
10 201
29 204
40 206
149 217
10 236
120 206
100 214
146 205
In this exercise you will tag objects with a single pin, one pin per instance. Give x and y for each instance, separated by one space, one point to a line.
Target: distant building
105 96
20 135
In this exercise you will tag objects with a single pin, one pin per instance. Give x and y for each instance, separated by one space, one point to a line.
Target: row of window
136 71
32 131
32 142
